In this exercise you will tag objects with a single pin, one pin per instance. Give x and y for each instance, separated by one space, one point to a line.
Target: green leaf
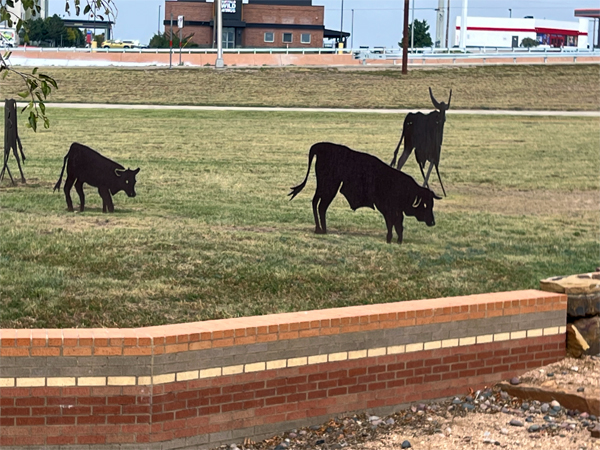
24 94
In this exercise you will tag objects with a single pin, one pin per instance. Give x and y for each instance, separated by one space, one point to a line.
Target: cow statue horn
119 171
433 100
417 202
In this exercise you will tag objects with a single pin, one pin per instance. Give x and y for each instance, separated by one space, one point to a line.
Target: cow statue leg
107 203
68 185
398 225
79 189
389 223
321 201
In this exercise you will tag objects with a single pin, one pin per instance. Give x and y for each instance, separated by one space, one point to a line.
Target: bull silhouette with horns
424 133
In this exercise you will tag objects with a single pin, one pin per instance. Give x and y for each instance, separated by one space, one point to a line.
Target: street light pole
352 32
412 28
509 12
342 24
158 32
405 40
219 64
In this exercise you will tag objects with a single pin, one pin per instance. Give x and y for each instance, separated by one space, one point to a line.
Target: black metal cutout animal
11 139
424 133
85 165
366 181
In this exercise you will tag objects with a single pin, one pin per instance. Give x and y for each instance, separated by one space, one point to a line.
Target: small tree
422 37
162 41
528 43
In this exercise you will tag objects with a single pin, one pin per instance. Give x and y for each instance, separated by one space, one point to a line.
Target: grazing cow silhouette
85 165
366 181
424 133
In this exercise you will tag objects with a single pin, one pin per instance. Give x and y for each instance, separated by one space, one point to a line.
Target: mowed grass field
529 87
211 233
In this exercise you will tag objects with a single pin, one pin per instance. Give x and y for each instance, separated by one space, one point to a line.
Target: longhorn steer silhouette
424 133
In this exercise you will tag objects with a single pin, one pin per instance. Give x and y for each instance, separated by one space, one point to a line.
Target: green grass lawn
528 87
211 233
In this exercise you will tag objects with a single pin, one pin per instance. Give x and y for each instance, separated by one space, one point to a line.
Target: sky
377 23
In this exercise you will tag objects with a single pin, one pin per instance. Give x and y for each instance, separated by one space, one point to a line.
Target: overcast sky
376 22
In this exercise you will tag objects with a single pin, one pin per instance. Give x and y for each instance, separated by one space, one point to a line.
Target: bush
528 43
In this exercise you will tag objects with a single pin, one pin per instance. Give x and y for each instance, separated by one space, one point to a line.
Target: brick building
252 23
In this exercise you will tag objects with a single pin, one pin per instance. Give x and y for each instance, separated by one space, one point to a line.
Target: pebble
406 444
534 428
555 404
581 389
515 380
515 423
504 431
544 408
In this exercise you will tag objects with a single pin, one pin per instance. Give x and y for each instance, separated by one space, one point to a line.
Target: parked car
117 43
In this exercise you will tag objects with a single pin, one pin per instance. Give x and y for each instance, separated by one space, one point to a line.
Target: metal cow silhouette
85 165
11 139
424 133
366 181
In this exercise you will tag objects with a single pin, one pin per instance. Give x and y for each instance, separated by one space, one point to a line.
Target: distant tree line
51 32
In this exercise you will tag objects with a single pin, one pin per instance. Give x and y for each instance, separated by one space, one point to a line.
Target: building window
305 38
287 38
269 36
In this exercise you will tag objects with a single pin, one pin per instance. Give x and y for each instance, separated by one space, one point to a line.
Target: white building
510 32
18 12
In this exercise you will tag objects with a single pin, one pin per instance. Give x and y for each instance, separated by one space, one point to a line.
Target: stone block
589 328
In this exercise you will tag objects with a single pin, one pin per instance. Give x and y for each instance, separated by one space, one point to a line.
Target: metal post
447 22
405 40
463 26
180 39
412 28
219 64
510 13
352 31
342 24
171 44
158 32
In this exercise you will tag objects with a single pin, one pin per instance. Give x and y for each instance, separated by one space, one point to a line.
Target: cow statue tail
397 148
57 185
296 189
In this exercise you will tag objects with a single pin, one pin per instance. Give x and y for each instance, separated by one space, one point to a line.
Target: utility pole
159 19
463 26
219 64
405 40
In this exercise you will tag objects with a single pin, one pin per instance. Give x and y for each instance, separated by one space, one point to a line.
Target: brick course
358 358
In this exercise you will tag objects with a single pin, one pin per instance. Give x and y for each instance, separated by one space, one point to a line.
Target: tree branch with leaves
38 86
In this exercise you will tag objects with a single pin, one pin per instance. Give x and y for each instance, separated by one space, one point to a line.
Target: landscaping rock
589 328
576 344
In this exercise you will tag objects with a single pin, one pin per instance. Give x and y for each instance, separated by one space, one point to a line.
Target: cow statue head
422 206
125 181
440 106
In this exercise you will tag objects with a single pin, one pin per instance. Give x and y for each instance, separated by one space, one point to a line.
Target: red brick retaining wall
203 384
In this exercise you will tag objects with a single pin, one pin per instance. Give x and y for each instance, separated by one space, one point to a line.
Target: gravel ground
480 420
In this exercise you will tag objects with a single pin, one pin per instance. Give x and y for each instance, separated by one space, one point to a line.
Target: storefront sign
228 6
